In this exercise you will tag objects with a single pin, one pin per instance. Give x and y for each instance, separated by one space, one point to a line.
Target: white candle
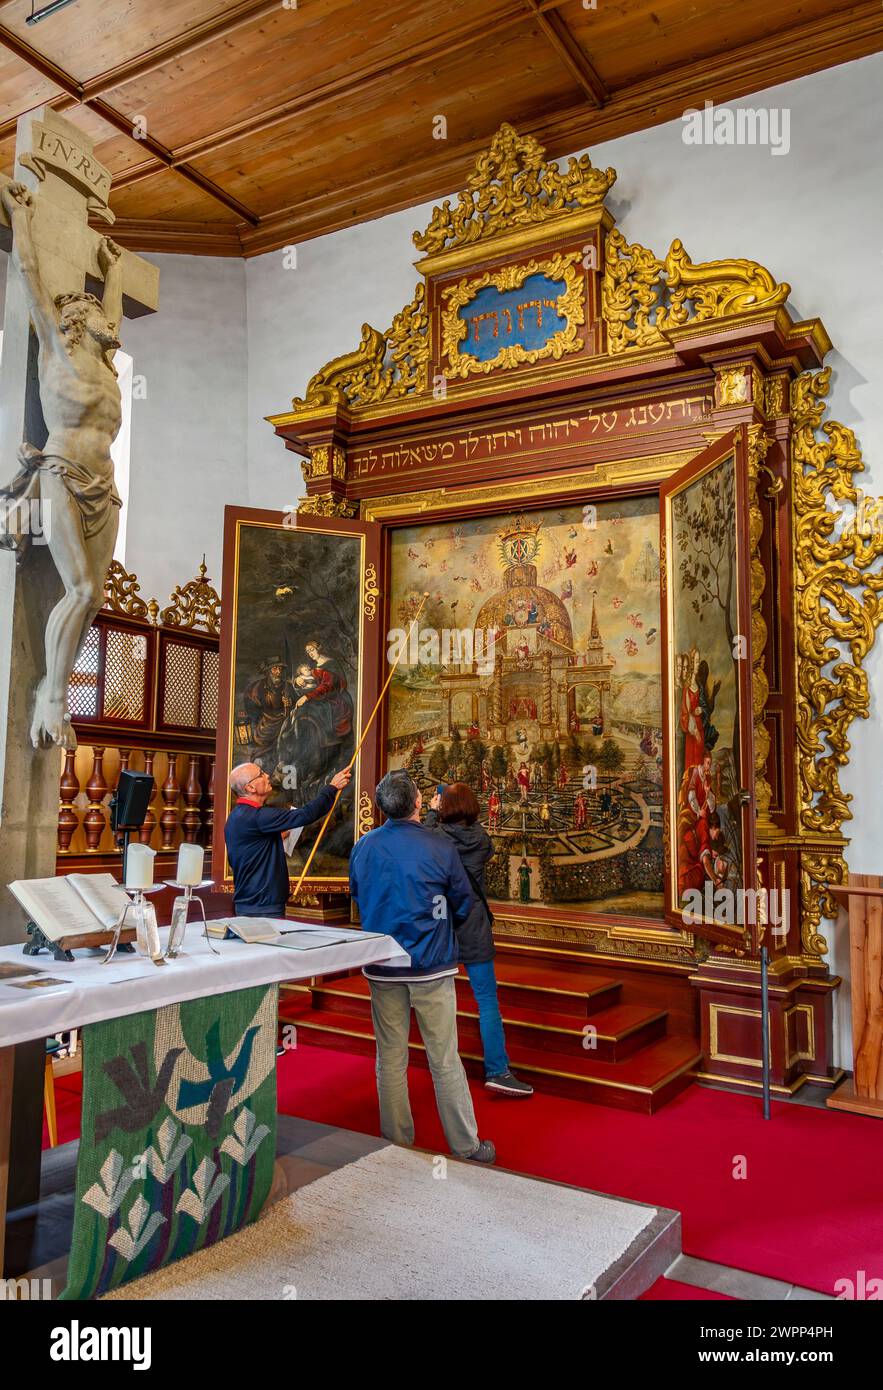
190 859
139 866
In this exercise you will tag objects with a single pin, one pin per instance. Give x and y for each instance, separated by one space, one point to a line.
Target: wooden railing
144 696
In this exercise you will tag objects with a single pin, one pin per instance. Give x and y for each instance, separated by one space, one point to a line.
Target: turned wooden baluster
95 820
192 797
69 790
208 815
148 825
171 790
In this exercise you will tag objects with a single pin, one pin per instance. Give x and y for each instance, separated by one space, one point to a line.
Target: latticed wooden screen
189 696
181 685
143 696
125 675
82 697
208 704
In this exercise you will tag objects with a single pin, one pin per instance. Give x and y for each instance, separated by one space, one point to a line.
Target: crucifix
59 395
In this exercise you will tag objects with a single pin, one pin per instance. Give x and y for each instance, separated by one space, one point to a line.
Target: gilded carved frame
569 306
657 941
653 311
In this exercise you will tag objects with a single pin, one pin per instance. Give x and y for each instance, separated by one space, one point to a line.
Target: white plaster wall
189 449
300 316
813 216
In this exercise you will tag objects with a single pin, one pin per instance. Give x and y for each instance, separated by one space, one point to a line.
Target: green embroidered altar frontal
178 1134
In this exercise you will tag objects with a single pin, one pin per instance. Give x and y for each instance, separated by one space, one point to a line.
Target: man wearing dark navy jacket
254 839
408 882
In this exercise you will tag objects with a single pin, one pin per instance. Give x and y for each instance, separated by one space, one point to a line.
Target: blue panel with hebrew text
501 318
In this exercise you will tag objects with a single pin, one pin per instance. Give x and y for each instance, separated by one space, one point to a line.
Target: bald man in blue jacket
253 835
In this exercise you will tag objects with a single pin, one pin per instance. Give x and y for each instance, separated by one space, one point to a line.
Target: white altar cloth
130 984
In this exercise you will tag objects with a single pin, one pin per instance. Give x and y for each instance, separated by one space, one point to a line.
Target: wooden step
608 1034
611 1034
643 1082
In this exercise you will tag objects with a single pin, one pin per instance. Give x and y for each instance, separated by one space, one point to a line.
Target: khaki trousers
434 1003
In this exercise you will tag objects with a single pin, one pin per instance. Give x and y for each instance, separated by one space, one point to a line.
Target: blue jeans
484 987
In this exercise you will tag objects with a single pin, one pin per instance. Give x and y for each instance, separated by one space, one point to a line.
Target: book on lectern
71 906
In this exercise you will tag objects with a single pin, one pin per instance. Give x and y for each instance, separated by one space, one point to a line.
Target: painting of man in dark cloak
296 673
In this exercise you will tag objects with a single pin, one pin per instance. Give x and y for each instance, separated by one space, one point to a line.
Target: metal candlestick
146 930
180 914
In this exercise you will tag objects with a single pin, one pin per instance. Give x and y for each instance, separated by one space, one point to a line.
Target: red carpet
671 1290
68 1090
809 1209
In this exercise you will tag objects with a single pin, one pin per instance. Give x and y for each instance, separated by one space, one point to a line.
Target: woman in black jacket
454 813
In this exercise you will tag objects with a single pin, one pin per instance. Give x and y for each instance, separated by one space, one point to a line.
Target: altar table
132 987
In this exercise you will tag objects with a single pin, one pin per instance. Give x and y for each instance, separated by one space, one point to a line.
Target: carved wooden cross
54 159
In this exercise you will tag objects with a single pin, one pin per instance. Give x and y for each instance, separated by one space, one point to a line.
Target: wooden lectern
863 898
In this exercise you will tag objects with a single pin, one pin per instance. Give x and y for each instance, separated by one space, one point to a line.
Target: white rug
390 1226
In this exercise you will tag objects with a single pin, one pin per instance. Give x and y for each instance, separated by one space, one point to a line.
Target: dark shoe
508 1085
485 1153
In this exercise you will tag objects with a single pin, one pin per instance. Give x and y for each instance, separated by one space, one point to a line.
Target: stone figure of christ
72 475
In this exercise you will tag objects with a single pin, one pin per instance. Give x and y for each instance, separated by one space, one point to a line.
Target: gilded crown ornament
513 185
195 605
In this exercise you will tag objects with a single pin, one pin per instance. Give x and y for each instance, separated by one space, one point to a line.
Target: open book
265 931
73 905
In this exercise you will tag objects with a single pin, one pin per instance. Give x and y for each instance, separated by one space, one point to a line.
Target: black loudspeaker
131 800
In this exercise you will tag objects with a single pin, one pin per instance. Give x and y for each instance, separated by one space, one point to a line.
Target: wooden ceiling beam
13 44
342 88
658 99
165 158
209 31
569 51
218 27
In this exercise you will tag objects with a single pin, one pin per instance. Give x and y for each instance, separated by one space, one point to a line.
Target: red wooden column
95 820
171 789
149 824
68 791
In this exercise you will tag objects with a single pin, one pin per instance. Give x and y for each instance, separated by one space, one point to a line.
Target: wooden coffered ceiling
272 121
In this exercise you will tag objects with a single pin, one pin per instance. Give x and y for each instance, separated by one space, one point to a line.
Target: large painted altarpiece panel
535 677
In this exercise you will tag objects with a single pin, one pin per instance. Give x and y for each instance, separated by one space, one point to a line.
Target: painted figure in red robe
691 715
700 855
523 782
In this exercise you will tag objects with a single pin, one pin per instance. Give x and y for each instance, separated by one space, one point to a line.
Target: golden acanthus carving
326 461
835 625
366 814
327 504
731 386
642 297
195 605
370 593
758 447
390 364
512 185
817 871
122 592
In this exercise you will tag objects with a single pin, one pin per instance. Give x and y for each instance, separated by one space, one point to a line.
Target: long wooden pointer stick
371 719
